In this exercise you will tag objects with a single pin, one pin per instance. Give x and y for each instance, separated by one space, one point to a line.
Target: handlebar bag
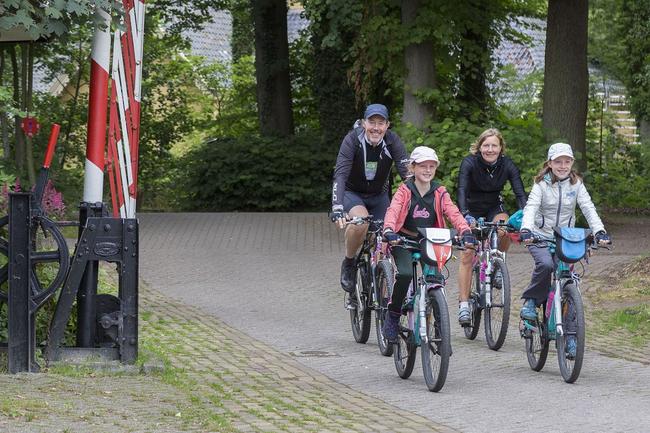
571 243
435 245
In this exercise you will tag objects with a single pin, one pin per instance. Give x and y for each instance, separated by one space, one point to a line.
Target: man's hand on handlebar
339 216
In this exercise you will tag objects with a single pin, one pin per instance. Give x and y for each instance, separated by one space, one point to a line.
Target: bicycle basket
571 243
435 246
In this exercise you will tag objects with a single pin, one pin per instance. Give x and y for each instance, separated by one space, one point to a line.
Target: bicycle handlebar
363 220
456 241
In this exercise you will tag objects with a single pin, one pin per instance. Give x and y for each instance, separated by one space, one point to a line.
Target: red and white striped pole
97 108
94 174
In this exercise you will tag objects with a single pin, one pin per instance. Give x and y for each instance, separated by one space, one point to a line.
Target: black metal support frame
113 240
22 330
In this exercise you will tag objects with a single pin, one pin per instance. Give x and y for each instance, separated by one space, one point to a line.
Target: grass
621 303
21 407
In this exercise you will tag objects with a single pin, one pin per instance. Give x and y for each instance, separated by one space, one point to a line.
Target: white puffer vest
553 205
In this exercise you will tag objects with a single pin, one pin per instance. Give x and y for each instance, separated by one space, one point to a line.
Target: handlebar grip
51 144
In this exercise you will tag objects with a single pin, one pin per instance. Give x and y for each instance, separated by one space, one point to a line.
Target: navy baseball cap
376 109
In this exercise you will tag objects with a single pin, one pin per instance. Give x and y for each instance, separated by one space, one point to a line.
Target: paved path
274 277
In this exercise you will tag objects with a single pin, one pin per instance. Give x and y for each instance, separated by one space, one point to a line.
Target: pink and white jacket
399 207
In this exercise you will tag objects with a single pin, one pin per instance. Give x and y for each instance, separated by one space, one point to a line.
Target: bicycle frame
417 293
369 255
553 311
563 273
487 248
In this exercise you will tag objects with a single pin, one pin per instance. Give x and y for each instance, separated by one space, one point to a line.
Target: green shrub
258 174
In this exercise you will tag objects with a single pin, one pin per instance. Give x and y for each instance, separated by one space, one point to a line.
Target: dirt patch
628 286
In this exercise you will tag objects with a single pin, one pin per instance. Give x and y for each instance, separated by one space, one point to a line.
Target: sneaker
528 311
464 316
391 326
348 274
571 347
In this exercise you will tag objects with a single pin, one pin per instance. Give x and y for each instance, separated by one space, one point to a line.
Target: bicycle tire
360 317
436 352
471 331
537 343
571 302
404 351
497 315
384 289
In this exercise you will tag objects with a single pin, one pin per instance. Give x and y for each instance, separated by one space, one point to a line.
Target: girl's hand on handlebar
391 237
526 237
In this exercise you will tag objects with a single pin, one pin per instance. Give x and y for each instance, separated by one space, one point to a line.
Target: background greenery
200 143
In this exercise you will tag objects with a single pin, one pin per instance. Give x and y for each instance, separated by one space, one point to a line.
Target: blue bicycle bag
571 243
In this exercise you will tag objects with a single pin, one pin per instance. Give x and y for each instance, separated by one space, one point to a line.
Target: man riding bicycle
361 181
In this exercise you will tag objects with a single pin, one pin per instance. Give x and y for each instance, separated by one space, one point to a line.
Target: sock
464 304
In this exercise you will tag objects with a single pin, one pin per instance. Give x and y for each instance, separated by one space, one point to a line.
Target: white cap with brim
423 153
559 149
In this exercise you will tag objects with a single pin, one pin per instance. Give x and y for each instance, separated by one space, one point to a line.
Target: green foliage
7 105
253 173
43 19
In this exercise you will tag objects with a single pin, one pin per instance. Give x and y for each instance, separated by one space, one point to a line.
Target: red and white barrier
124 123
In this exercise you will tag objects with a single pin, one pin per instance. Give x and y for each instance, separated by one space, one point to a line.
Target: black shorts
376 204
490 213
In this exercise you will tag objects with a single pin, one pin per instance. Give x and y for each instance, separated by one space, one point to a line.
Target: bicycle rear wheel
404 350
437 350
471 331
498 314
360 313
384 289
536 342
573 320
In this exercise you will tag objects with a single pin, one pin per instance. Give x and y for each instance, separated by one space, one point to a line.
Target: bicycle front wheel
498 314
404 350
471 331
384 289
573 324
360 313
536 342
437 350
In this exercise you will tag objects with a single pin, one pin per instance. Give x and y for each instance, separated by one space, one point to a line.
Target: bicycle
490 285
373 287
562 315
425 317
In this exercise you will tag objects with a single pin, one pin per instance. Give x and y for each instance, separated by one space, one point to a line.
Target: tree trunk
28 75
63 146
272 67
644 130
566 81
4 121
19 137
420 72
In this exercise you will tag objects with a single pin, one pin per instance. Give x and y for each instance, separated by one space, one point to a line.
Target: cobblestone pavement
274 278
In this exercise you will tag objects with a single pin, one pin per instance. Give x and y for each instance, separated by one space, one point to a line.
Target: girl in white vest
551 203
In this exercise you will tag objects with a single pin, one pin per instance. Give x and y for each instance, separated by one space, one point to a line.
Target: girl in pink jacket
418 202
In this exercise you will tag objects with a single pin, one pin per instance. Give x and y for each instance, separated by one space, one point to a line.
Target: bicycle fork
486 277
557 308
